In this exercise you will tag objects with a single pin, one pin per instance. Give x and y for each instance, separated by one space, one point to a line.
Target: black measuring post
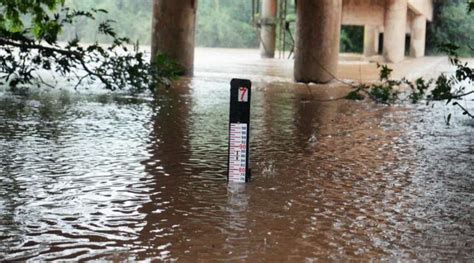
239 131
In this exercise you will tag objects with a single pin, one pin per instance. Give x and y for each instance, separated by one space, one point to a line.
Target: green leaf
355 95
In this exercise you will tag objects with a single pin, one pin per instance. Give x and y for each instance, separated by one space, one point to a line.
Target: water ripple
83 178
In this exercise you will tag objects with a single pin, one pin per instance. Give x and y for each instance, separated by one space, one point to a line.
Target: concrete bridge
318 31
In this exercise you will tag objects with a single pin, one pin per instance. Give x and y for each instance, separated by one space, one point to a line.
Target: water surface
120 178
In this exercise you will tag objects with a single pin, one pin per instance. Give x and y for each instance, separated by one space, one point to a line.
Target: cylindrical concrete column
371 40
317 45
173 31
395 29
418 36
268 28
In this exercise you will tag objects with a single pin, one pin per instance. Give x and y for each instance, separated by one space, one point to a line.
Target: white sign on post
238 152
243 95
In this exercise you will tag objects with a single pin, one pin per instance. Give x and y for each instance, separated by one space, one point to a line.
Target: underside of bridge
318 31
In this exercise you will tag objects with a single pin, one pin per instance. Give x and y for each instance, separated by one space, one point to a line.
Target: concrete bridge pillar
371 40
317 44
268 28
173 31
418 36
395 29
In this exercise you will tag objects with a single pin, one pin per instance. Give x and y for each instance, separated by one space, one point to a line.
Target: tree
225 23
29 31
132 17
352 39
451 25
222 23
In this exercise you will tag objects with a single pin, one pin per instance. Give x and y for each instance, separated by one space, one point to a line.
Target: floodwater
112 177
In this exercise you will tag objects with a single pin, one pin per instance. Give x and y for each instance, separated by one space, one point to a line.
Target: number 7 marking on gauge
243 95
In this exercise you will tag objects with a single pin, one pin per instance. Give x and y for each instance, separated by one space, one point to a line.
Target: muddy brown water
100 177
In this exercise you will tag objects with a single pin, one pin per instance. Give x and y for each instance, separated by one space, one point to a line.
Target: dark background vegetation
451 24
228 23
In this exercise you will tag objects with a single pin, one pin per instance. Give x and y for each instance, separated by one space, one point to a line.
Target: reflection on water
91 177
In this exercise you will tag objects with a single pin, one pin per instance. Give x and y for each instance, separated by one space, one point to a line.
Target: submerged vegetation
448 88
443 88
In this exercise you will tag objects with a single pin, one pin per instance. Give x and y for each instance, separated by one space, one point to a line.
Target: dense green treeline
352 39
220 23
225 23
228 23
131 19
451 24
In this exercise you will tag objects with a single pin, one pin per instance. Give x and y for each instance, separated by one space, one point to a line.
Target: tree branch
75 55
69 53
463 95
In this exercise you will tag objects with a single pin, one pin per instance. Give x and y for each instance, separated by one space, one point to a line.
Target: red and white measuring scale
238 152
239 124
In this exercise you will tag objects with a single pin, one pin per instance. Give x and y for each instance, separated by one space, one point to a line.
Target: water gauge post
239 131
